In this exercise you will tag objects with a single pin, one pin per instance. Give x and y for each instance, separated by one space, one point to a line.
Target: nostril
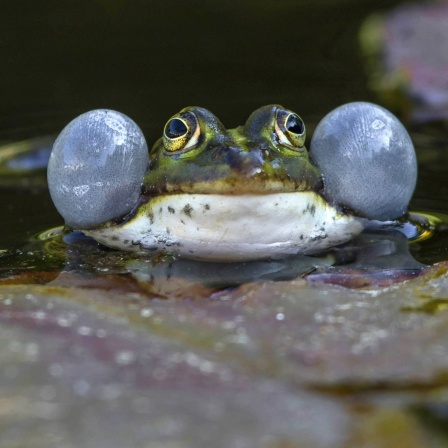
244 162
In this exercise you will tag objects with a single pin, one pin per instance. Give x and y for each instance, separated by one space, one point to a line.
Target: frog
205 192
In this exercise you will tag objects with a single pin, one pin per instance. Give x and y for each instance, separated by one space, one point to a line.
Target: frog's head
197 154
250 192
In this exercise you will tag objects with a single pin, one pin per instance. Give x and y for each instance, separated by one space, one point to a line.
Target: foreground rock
271 364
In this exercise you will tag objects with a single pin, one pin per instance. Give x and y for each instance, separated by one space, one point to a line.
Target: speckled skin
232 228
237 194
249 159
245 193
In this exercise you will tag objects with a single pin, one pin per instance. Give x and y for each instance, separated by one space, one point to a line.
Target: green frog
206 192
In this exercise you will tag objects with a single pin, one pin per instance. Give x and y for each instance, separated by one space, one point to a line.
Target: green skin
250 159
211 193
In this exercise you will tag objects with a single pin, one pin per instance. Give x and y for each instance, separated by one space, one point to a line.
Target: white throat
232 228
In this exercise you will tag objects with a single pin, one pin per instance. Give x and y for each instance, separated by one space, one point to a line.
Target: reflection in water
377 257
383 254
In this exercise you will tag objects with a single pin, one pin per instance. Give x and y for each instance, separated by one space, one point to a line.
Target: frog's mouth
230 227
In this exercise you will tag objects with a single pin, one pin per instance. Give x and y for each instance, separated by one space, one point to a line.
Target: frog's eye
181 132
290 130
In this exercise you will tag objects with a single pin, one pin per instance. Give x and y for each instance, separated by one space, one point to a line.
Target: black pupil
176 128
294 124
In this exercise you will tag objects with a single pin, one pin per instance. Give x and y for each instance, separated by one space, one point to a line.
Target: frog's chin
232 228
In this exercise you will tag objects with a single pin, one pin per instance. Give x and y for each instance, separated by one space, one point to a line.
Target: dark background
149 59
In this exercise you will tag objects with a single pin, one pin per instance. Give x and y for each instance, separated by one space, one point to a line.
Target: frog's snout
243 163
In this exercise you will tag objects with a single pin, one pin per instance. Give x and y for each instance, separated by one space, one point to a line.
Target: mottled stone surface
269 364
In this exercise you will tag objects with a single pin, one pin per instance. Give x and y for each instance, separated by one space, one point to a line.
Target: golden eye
290 130
181 132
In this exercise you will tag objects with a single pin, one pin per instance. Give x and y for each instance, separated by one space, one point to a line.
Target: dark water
149 59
